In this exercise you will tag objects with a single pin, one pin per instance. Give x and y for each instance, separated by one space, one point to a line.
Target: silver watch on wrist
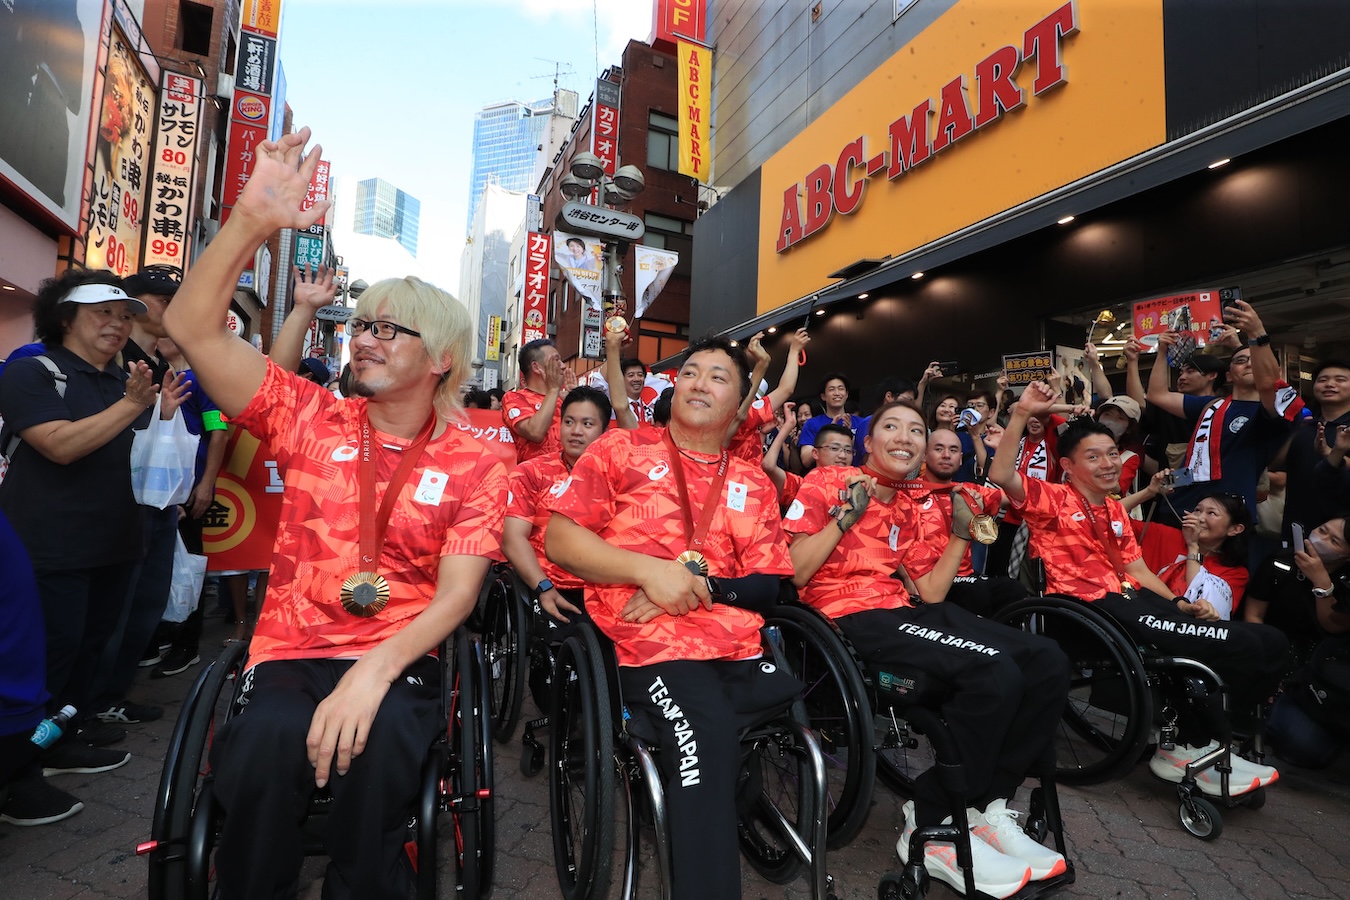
1323 593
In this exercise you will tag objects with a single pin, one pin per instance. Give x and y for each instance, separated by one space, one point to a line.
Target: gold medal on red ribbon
694 561
984 529
365 594
616 324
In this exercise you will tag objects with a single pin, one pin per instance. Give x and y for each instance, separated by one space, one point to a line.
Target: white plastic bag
163 461
189 573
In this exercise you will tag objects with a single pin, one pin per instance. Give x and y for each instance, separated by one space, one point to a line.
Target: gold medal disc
984 529
694 561
365 594
616 324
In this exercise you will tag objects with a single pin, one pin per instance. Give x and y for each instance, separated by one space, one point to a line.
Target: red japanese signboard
318 188
538 255
680 19
605 124
1198 313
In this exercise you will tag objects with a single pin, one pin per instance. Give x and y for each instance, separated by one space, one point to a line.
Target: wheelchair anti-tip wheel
1200 817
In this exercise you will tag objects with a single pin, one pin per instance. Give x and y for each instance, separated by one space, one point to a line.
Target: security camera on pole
617 230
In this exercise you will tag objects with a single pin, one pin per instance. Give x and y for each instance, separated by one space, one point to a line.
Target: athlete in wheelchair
1004 689
388 520
530 605
1088 549
679 543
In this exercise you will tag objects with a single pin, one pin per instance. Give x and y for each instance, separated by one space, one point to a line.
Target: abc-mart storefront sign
993 104
932 128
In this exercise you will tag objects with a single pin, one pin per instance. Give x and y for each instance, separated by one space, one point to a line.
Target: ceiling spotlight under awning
864 295
1065 220
916 276
1218 163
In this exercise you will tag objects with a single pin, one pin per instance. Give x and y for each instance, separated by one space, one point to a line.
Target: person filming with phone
1233 438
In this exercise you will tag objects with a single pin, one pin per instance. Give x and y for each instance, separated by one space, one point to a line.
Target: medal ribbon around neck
1107 538
692 558
366 593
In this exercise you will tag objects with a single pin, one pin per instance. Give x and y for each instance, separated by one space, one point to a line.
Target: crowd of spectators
1159 495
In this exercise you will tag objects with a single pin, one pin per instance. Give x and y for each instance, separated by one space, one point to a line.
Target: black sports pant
1008 690
264 782
694 712
1250 658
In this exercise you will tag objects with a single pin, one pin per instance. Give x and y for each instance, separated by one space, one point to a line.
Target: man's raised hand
276 191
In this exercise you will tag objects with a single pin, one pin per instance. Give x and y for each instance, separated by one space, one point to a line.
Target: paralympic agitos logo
835 189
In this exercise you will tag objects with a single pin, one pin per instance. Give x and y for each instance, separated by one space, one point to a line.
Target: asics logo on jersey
658 471
345 453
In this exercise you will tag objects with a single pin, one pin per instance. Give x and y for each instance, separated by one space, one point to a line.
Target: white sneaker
997 826
1170 765
995 874
1246 768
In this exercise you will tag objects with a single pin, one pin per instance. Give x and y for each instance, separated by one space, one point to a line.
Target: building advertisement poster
257 62
579 257
48 60
654 268
262 16
695 97
121 162
493 351
605 124
174 159
537 262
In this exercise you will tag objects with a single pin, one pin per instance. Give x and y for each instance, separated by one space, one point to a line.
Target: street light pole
586 184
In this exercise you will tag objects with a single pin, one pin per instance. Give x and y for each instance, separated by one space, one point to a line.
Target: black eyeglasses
383 331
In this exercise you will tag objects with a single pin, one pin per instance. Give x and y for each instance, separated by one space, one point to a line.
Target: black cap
315 369
1207 362
150 282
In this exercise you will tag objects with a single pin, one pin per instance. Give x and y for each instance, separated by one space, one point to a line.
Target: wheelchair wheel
1200 818
1109 712
176 866
471 779
505 618
581 768
836 707
777 805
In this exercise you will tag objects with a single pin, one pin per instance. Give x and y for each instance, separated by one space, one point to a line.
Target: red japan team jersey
747 442
451 505
521 404
1062 536
933 524
534 485
857 575
623 489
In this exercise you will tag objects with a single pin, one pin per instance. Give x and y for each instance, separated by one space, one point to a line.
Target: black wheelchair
867 719
595 755
456 778
1120 692
520 642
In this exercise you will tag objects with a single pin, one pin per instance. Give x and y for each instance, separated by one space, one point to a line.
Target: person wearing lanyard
679 543
1089 551
850 530
388 521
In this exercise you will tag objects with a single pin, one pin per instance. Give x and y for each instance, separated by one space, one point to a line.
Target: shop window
672 234
663 146
194 27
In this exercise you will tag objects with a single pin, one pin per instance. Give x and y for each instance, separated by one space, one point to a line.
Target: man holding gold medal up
389 518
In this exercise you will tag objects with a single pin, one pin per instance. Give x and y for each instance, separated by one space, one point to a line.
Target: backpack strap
59 378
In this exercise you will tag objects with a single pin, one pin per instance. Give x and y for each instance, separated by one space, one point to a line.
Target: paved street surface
1124 838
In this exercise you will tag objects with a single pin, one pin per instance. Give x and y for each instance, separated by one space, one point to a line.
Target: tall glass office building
384 211
506 139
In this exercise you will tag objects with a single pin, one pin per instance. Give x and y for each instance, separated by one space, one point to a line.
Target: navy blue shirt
80 515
